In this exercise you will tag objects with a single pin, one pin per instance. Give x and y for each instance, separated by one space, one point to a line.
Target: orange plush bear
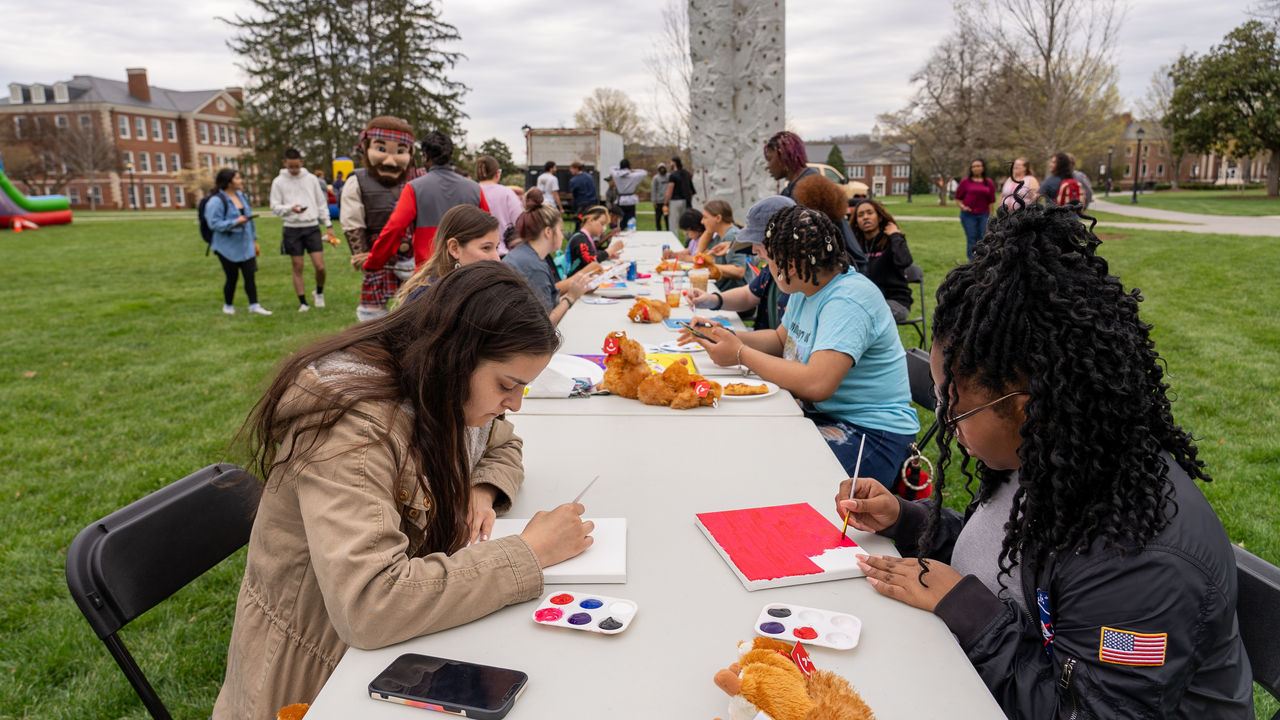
625 366
766 680
704 260
679 389
649 311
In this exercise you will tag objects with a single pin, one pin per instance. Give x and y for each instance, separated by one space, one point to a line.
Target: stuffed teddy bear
678 388
649 311
766 680
625 366
704 260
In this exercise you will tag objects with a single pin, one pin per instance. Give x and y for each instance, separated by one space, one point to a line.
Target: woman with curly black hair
837 349
1088 577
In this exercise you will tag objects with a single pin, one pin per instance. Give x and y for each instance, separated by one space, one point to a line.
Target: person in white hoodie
297 198
627 180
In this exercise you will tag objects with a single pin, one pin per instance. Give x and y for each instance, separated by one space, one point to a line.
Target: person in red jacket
423 202
975 195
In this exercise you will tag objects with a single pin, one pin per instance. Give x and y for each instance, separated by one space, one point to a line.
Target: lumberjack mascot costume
368 198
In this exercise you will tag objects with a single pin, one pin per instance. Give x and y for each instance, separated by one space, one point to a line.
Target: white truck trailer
599 150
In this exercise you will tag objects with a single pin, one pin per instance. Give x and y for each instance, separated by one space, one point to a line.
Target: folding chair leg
136 678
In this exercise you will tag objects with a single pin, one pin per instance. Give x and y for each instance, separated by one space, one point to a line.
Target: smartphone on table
695 332
449 686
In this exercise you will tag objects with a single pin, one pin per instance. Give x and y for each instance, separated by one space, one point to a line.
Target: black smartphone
696 333
449 686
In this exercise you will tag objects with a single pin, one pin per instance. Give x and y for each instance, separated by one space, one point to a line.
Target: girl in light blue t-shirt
837 349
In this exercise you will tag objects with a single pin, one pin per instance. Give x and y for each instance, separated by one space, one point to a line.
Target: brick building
1157 162
884 167
156 130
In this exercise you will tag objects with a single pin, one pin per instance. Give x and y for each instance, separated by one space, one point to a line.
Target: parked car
852 188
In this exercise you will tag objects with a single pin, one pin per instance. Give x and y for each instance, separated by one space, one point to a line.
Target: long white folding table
658 472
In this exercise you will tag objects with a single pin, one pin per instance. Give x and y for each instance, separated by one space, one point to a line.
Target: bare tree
668 62
40 165
88 151
610 109
1154 106
1060 78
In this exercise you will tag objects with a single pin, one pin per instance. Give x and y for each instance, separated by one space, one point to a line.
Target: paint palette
811 626
584 611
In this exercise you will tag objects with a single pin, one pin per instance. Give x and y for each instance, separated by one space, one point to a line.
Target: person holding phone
228 214
298 198
387 454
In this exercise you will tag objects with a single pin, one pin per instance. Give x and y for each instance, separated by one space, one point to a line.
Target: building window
128 158
61 122
95 195
206 160
160 163
240 132
857 171
86 122
204 133
144 162
20 127
1146 150
133 196
226 135
180 195
1144 169
172 128
148 196
1160 170
174 164
155 129
900 171
899 188
74 194
124 125
140 128
1195 170
1128 170
164 196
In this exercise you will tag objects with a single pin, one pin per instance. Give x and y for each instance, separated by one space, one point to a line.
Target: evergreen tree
835 159
498 150
318 71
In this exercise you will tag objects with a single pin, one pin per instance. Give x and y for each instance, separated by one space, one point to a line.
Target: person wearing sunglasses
1088 576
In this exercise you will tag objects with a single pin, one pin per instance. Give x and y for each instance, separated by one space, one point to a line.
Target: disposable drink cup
698 278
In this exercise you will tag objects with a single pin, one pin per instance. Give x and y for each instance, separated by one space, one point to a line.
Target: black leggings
657 215
231 269
628 212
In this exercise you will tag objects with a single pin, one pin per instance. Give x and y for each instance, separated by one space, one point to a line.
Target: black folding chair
129 561
915 274
920 378
1257 605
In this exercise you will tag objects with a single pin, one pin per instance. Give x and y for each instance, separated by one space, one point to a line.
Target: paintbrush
857 467
585 489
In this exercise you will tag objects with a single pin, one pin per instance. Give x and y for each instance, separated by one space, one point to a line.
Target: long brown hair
463 223
723 209
535 218
426 352
885 219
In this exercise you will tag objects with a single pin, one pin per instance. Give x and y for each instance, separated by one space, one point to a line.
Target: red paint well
548 615
773 542
562 599
805 633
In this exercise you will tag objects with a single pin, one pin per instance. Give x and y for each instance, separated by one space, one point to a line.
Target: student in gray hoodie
297 198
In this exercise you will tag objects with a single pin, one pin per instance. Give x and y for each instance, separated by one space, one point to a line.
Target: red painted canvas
781 545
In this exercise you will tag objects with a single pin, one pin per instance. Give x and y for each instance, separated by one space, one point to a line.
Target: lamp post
133 185
1137 160
1110 149
911 146
528 150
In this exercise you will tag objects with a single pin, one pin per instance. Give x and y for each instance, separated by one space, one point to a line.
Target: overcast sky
533 62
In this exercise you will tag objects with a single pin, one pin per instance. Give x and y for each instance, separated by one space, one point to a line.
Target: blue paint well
590 604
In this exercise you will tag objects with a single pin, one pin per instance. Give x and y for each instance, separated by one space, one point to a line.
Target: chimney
138 84
236 92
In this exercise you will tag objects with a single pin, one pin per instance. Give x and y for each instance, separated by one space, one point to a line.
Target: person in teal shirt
837 350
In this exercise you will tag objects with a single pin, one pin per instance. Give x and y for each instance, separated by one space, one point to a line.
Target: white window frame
73 194
204 132
95 194
175 163
128 158
123 122
19 127
899 187
155 129
171 128
180 195
148 196
131 196
86 121
1160 170
144 163
62 122
901 171
140 127
160 166
164 196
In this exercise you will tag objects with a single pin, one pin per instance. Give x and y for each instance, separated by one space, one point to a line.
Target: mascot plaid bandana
384 134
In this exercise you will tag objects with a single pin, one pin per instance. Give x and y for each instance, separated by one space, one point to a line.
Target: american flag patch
1121 647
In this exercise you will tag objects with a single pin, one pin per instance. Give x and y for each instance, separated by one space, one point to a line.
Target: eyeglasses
953 422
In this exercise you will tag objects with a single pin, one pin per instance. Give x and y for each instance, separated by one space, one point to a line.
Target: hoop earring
456 264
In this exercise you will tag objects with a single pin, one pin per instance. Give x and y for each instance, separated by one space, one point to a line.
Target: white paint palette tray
784 621
585 611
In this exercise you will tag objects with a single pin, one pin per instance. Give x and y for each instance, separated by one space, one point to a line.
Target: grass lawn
119 374
1252 202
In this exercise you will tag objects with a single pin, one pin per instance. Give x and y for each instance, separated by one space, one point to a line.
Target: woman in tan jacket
386 452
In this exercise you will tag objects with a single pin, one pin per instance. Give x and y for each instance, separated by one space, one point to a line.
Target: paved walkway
1267 226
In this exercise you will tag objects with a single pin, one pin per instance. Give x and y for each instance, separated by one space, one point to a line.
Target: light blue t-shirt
850 315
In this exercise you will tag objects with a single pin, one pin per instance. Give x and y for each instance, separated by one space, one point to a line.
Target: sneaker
258 309
229 309
319 298
304 307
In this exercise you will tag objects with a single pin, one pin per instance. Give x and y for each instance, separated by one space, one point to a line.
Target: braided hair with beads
1037 309
804 242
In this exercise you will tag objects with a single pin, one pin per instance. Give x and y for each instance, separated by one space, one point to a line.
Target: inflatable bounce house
342 167
21 212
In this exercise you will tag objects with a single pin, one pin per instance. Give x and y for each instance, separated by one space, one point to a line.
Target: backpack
206 232
1068 192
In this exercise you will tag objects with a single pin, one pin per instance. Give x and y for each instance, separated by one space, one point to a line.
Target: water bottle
631 224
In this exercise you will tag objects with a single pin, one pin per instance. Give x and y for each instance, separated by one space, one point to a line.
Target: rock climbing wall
737 98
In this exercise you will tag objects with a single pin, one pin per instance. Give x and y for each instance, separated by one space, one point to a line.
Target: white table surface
692 609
